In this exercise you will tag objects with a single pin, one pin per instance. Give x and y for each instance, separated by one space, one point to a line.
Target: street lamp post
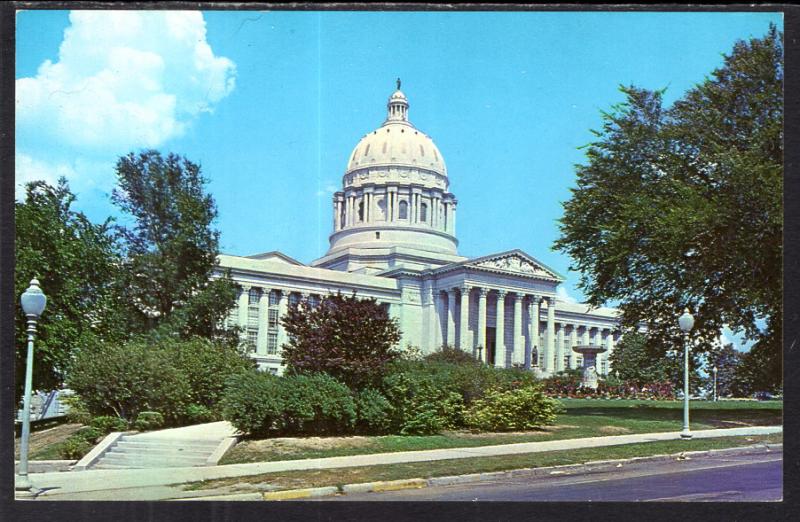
33 302
686 322
714 369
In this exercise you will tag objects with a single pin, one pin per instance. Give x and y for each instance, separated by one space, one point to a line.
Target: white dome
397 143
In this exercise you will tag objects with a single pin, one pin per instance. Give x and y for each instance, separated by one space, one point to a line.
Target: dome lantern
397 106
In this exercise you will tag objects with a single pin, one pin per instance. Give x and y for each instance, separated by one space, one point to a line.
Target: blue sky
271 105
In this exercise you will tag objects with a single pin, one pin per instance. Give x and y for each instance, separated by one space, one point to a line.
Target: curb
293 494
417 483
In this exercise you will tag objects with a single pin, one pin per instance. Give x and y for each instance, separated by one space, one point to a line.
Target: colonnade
550 350
394 204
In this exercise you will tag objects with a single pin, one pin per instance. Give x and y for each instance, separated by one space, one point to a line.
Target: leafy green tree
76 263
727 360
682 206
170 249
756 372
349 338
640 362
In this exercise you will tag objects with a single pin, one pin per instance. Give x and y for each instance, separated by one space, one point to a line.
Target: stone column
430 311
551 331
560 348
534 328
244 299
263 308
573 341
283 305
367 207
463 320
500 344
451 317
441 315
518 354
453 218
610 347
481 336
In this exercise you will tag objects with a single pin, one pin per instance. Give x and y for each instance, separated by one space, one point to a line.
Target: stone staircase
135 451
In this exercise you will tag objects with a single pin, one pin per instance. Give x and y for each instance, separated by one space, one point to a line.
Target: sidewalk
154 484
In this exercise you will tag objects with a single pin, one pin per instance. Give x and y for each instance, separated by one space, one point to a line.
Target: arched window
361 211
423 212
403 210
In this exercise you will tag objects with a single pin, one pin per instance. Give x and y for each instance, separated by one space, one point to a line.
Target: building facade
394 240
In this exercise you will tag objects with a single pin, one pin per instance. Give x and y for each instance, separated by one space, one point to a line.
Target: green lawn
583 418
341 476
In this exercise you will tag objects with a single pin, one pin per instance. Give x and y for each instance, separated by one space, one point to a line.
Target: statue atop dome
398 84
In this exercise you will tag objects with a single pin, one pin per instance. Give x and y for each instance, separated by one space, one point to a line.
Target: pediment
516 263
275 256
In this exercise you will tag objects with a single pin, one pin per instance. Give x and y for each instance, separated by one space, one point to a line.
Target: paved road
731 478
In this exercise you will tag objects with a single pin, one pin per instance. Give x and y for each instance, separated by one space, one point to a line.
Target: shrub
197 414
253 402
316 403
123 380
89 433
424 400
519 409
259 403
106 424
166 377
348 338
206 366
451 354
74 448
373 412
148 420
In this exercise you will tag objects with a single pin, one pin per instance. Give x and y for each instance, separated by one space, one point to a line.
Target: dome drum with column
395 190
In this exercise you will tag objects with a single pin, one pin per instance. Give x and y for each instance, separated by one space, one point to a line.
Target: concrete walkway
153 484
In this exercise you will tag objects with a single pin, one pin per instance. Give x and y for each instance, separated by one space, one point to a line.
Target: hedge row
413 398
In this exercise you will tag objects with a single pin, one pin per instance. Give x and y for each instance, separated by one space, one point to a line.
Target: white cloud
124 79
28 169
562 295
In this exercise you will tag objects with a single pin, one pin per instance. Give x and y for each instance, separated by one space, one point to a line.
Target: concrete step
162 451
134 439
117 458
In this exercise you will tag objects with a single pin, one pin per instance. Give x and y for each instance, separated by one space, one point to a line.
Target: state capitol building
394 240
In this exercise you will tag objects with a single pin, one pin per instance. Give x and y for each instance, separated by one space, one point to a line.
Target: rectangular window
253 296
273 318
294 298
273 298
252 339
272 343
252 317
566 361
